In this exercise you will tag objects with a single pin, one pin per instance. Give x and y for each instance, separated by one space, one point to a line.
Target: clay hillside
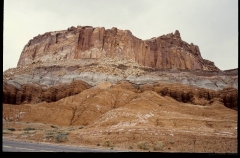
106 88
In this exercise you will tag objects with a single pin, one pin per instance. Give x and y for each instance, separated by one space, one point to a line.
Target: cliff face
164 52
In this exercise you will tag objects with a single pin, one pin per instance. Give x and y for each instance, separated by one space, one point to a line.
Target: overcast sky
210 24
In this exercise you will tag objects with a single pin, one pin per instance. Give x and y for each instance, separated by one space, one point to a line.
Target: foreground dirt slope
120 116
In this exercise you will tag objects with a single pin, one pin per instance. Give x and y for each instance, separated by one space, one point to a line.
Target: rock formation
34 93
109 85
30 93
59 64
84 42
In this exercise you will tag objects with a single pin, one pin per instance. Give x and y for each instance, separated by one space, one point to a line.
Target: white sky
210 24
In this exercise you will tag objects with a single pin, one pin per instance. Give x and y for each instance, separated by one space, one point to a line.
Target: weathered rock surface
34 93
196 96
95 71
86 42
30 93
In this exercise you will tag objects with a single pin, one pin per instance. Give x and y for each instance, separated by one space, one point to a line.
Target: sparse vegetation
64 133
107 143
49 136
54 126
29 129
29 132
80 127
59 138
11 129
6 131
158 146
50 133
143 145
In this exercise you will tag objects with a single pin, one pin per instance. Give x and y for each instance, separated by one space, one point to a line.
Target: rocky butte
86 42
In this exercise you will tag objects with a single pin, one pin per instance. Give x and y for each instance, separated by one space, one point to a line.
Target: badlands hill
123 90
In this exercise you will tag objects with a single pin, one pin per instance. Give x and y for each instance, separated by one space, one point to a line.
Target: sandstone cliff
84 42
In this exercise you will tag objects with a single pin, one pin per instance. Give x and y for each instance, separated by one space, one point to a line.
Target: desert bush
49 136
29 129
61 138
143 145
29 132
130 147
158 146
11 129
26 132
71 129
53 126
80 127
64 133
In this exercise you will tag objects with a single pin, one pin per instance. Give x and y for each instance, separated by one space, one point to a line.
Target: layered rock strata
198 96
94 72
86 42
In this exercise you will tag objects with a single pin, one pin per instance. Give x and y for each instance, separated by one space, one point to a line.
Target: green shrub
143 145
61 138
158 146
